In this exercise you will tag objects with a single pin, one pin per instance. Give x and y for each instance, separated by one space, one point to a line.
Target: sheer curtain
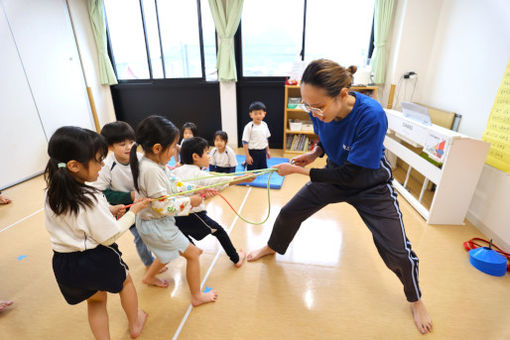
226 21
382 21
97 21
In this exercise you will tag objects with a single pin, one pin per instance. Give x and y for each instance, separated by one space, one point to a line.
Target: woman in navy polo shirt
351 127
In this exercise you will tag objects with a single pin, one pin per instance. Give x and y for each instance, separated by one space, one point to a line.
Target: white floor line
183 321
19 221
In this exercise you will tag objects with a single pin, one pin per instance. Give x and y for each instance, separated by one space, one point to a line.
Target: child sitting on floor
222 157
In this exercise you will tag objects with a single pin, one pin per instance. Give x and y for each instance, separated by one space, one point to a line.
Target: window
127 39
339 30
153 39
209 42
272 33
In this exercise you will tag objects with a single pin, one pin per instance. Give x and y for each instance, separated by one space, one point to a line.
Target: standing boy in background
255 135
115 178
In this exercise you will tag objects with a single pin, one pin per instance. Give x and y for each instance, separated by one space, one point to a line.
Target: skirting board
487 231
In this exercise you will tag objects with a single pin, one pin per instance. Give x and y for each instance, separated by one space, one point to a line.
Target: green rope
256 173
220 174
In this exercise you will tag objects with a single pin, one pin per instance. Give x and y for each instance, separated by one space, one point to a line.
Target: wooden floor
331 284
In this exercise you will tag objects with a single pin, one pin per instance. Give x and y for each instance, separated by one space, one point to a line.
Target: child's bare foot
242 256
5 304
138 326
162 270
421 317
156 282
259 253
202 298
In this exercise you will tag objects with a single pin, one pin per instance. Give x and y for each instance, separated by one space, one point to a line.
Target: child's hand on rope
242 179
195 200
140 204
208 193
118 210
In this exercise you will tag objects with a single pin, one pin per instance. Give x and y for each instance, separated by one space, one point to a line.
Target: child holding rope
156 224
198 225
87 262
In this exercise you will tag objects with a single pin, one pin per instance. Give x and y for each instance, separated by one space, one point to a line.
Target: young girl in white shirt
87 262
222 157
156 224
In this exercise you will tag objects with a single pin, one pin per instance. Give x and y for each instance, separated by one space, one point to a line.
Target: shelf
300 132
296 110
294 151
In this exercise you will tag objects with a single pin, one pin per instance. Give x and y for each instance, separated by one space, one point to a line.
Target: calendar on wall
497 131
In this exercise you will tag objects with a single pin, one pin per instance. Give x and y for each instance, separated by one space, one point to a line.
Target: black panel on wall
272 94
180 102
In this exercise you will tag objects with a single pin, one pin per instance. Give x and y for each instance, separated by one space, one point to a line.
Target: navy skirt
81 274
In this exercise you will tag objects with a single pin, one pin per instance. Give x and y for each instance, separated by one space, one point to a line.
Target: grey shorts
162 237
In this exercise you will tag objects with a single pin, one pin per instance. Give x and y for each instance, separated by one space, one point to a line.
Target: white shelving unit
463 158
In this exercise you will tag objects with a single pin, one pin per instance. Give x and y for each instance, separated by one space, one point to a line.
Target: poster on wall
498 127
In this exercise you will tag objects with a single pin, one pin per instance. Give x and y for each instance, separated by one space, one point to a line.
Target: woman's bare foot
137 328
156 282
259 253
202 298
421 317
242 256
5 304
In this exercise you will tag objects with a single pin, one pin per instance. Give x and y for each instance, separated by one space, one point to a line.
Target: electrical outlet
410 74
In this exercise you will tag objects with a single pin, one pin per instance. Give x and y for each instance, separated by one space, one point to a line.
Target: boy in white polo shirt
255 135
115 178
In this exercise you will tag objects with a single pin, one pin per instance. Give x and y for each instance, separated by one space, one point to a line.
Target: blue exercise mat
260 181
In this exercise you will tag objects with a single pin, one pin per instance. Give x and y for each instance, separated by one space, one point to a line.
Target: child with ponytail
86 261
156 224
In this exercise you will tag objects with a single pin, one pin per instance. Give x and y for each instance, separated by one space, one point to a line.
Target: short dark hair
190 146
222 134
117 132
191 126
257 106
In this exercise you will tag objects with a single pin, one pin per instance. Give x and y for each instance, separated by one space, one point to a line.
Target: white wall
470 53
86 44
23 151
410 43
43 87
43 35
459 48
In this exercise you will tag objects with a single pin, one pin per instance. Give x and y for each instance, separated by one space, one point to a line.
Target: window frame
202 80
186 80
239 52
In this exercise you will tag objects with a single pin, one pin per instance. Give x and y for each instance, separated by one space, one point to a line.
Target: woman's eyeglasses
314 110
